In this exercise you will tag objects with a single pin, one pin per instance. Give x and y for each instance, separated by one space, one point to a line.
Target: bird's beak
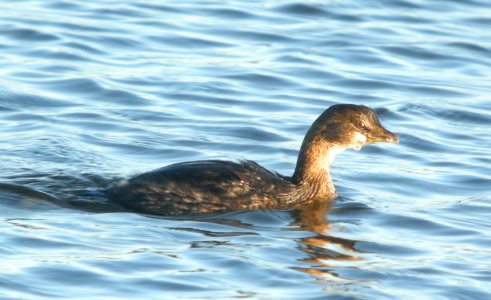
382 135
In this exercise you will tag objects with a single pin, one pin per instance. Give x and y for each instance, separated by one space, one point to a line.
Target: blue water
92 91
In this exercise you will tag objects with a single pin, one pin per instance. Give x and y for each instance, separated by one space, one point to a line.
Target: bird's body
211 186
215 186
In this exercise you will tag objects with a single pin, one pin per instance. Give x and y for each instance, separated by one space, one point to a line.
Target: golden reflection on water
313 217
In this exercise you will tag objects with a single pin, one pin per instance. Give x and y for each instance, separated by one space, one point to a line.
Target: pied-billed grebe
214 186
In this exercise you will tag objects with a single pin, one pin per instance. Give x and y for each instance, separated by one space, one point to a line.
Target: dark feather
211 186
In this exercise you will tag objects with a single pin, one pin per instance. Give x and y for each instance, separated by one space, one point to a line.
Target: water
91 91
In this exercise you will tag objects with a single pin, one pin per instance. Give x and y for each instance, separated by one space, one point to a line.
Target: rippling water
92 90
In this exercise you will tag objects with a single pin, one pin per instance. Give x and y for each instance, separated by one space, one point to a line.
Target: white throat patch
360 141
360 137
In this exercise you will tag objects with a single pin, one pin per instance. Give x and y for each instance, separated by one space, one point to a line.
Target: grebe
214 186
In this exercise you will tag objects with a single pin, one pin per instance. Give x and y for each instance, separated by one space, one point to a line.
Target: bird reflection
322 248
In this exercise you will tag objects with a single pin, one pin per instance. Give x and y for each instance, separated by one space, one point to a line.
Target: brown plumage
215 186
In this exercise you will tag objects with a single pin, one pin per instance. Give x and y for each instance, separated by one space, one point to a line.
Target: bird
218 186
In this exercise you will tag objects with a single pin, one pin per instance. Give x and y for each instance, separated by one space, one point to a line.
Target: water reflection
321 248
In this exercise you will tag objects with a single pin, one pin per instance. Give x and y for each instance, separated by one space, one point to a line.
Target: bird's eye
363 125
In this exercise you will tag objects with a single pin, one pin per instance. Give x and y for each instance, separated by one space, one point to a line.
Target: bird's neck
312 168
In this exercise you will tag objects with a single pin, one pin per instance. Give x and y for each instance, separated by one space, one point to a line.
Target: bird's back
211 186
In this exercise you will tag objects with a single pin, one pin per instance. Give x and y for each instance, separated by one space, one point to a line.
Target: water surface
91 91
